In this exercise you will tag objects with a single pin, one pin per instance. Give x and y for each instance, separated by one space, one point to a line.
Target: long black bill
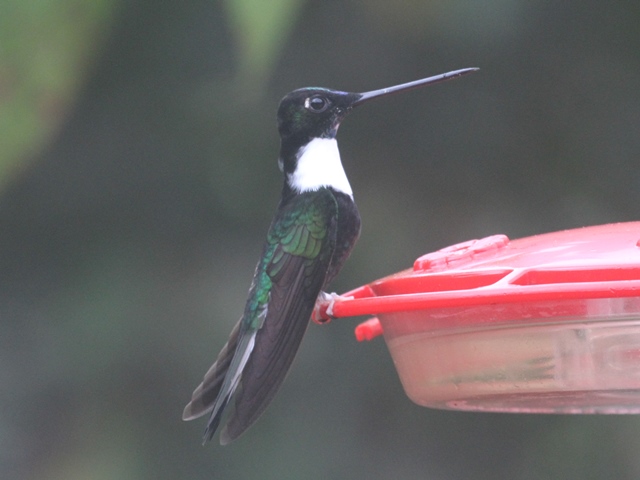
366 96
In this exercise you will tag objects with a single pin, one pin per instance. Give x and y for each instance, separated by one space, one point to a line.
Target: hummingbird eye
316 104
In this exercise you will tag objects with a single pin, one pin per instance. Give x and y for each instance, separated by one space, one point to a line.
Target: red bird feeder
544 324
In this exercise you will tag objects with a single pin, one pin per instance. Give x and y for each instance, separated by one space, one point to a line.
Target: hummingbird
315 227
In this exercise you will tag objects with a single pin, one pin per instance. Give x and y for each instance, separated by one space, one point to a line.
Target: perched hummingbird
314 229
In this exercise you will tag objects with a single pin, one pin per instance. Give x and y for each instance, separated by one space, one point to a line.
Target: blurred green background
138 177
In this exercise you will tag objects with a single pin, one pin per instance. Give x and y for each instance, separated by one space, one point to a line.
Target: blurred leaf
261 28
45 50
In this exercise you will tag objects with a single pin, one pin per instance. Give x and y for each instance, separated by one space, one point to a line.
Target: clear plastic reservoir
585 364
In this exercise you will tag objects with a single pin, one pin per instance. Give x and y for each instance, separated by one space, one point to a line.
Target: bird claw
325 315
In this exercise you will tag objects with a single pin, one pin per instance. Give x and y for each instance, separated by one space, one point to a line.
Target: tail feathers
214 421
221 381
206 394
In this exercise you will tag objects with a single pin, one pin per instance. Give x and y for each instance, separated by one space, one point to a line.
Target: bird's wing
303 241
262 345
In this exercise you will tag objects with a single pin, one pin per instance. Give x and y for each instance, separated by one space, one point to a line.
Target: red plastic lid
592 262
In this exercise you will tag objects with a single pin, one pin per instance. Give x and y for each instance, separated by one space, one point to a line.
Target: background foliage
138 176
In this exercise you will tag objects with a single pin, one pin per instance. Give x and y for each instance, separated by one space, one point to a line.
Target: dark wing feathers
304 254
296 260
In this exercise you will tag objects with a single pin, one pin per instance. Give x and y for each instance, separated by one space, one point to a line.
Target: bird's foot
323 313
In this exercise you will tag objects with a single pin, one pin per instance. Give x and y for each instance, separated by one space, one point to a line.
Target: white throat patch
319 166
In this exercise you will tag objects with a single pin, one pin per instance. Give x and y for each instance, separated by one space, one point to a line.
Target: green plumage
298 233
293 268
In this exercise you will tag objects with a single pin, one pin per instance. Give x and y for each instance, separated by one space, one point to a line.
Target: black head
315 112
309 113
